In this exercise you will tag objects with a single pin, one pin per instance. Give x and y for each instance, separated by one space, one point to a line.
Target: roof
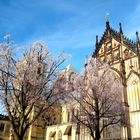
3 117
117 36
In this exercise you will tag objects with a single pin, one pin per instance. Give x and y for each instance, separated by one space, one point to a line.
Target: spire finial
107 17
107 21
86 60
137 36
120 28
137 42
96 40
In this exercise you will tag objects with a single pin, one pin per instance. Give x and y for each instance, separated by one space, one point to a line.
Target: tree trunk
92 135
19 137
97 126
97 134
97 131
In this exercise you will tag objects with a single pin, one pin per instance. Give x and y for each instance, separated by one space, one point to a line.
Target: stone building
66 129
37 131
123 55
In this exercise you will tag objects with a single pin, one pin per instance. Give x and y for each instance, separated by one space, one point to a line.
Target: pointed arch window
133 89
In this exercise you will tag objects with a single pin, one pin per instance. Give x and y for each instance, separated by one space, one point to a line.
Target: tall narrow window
59 135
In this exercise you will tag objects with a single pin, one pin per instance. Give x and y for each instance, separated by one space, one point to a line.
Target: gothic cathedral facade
123 55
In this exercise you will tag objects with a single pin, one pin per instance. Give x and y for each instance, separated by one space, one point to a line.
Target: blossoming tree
28 83
98 98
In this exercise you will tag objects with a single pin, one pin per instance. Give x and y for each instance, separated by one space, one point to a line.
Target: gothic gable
113 45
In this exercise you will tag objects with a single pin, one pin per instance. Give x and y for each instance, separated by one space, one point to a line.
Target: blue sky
68 26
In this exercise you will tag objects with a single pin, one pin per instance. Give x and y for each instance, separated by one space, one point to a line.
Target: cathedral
123 55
